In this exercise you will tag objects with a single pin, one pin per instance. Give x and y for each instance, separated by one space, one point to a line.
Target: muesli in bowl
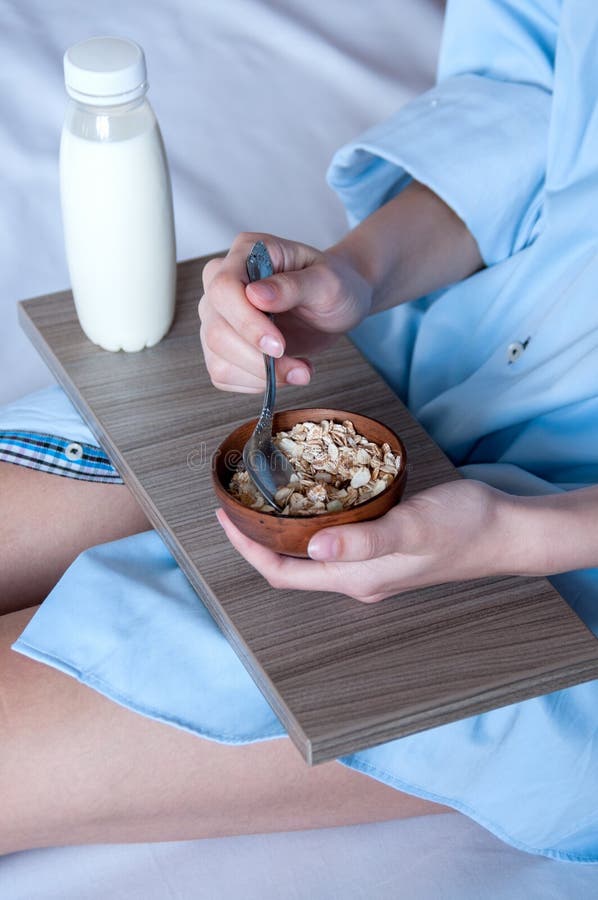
335 468
331 469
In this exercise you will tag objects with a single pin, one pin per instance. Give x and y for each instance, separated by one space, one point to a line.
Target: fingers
209 270
225 299
234 331
299 280
286 256
288 573
228 377
234 365
446 533
280 571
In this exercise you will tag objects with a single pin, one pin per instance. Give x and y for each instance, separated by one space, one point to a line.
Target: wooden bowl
291 534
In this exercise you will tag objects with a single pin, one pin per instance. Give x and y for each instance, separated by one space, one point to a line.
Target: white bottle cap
105 71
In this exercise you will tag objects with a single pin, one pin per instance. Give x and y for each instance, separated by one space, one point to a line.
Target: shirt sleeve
479 138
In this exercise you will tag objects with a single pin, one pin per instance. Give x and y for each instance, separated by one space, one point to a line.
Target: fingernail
271 345
297 376
323 547
263 291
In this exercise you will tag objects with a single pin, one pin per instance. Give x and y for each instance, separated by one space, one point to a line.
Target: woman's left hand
452 532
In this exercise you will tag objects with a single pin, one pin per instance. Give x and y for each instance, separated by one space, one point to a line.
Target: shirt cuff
478 143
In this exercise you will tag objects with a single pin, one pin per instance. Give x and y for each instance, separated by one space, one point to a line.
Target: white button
515 350
434 102
74 451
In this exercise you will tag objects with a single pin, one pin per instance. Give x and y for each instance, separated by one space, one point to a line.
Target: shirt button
74 452
434 102
515 350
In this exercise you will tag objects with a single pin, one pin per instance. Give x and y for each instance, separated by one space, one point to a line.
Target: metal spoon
266 465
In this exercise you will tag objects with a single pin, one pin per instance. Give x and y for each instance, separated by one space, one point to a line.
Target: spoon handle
270 392
259 265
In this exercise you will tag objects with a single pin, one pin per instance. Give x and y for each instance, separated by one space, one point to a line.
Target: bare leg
77 768
46 521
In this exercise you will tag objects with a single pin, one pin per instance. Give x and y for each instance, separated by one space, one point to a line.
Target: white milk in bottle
116 198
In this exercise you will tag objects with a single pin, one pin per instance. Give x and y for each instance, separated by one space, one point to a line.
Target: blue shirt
502 368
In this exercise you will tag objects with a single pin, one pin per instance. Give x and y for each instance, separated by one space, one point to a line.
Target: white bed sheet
253 96
444 857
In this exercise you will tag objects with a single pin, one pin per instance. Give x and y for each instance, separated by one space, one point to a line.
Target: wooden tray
341 675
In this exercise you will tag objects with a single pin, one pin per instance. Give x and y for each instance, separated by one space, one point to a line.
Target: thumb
287 290
352 543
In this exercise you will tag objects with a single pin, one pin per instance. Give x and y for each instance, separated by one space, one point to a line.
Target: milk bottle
116 198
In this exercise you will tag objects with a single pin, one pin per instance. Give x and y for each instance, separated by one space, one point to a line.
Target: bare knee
46 521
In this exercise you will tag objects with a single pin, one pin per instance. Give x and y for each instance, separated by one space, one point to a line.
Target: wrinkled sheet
253 97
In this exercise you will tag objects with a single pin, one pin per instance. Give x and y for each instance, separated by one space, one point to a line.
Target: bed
253 96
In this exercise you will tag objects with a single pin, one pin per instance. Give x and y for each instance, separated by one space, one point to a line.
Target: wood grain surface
341 675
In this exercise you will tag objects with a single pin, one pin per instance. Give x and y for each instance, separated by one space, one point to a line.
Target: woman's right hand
316 296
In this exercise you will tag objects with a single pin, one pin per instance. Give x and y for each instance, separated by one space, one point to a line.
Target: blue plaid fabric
58 456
